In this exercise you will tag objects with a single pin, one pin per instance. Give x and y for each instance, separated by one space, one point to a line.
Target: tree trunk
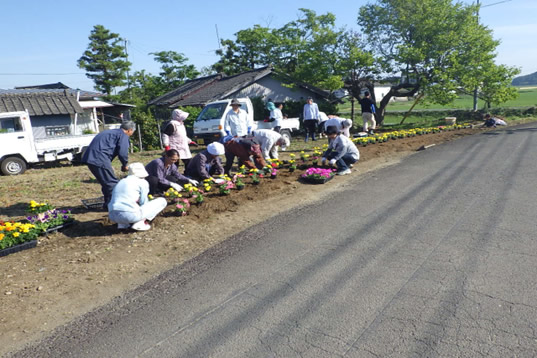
400 90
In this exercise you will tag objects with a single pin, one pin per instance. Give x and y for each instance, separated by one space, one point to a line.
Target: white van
209 126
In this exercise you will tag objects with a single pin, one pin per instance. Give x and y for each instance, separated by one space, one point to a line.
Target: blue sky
42 40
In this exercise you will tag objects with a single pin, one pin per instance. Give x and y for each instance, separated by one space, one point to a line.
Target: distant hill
528 80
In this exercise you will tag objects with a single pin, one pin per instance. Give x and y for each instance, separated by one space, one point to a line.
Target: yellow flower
150 197
166 194
16 234
1 236
207 188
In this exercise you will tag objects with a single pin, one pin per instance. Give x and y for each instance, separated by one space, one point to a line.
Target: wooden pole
139 138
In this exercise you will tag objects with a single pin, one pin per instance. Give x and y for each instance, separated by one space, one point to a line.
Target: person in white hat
174 136
343 124
269 141
130 203
206 163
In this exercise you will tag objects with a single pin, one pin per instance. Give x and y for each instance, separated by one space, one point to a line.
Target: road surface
433 257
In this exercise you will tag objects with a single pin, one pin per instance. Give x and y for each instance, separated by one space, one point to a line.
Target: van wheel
286 134
13 166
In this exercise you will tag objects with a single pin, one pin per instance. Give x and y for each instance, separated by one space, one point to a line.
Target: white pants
369 117
148 211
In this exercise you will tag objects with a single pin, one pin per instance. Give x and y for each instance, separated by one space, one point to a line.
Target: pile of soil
76 270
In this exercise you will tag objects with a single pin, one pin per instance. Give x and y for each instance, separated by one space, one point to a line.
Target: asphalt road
433 257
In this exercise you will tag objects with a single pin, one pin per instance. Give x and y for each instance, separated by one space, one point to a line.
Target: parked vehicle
19 148
209 126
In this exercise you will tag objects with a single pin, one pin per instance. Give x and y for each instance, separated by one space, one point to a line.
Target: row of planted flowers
384 137
42 218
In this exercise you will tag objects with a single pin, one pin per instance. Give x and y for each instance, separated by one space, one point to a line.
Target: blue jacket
105 147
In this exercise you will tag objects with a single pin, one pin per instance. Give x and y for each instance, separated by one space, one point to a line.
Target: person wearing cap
269 141
206 163
247 149
130 205
163 174
368 110
236 123
174 136
343 124
311 118
102 150
277 117
341 151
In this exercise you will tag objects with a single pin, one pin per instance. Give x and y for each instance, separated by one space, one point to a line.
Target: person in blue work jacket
102 150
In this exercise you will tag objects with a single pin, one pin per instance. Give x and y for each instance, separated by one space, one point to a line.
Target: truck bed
61 143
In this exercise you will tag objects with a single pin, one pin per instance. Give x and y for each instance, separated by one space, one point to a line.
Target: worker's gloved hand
193 182
219 181
249 130
323 160
125 168
167 148
228 133
194 143
332 162
176 186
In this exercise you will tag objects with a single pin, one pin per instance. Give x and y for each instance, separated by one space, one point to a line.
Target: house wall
268 87
59 125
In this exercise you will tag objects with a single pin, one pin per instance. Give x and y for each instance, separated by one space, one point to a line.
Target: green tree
434 45
105 60
174 69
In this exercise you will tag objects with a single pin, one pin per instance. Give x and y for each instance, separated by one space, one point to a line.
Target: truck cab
209 126
17 146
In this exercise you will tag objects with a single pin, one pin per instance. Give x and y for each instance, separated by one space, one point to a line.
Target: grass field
527 98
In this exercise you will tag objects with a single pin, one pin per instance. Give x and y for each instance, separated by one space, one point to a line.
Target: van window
212 111
10 125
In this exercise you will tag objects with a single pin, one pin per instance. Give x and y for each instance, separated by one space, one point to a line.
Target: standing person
130 203
174 136
341 151
237 123
102 150
206 163
368 111
269 141
311 118
244 148
277 116
163 174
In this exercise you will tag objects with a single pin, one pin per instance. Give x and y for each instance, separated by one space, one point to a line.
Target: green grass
527 98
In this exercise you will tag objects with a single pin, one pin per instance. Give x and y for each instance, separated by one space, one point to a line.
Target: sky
43 39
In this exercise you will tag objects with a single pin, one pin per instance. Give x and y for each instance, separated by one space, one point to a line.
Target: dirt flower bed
82 267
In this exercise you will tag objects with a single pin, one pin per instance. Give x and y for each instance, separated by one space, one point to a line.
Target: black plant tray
318 181
18 247
59 227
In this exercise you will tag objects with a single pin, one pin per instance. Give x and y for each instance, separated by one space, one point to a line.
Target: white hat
179 115
216 148
285 143
138 170
346 123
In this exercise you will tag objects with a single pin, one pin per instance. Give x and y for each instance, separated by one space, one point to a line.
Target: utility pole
128 80
477 15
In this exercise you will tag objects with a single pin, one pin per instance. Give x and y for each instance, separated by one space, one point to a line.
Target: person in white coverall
269 141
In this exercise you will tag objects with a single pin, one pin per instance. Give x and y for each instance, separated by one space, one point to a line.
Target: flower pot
18 247
273 176
255 182
291 170
59 227
240 187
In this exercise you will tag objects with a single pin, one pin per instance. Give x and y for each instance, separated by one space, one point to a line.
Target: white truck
209 126
19 148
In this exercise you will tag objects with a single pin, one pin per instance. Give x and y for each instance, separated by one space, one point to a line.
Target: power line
42 74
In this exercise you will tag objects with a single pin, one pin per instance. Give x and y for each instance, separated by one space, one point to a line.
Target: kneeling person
163 173
130 204
341 151
206 163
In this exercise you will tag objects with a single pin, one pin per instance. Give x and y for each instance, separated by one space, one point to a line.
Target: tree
174 70
434 45
105 60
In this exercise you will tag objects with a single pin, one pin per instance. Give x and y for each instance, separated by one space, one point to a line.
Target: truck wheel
286 134
13 166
